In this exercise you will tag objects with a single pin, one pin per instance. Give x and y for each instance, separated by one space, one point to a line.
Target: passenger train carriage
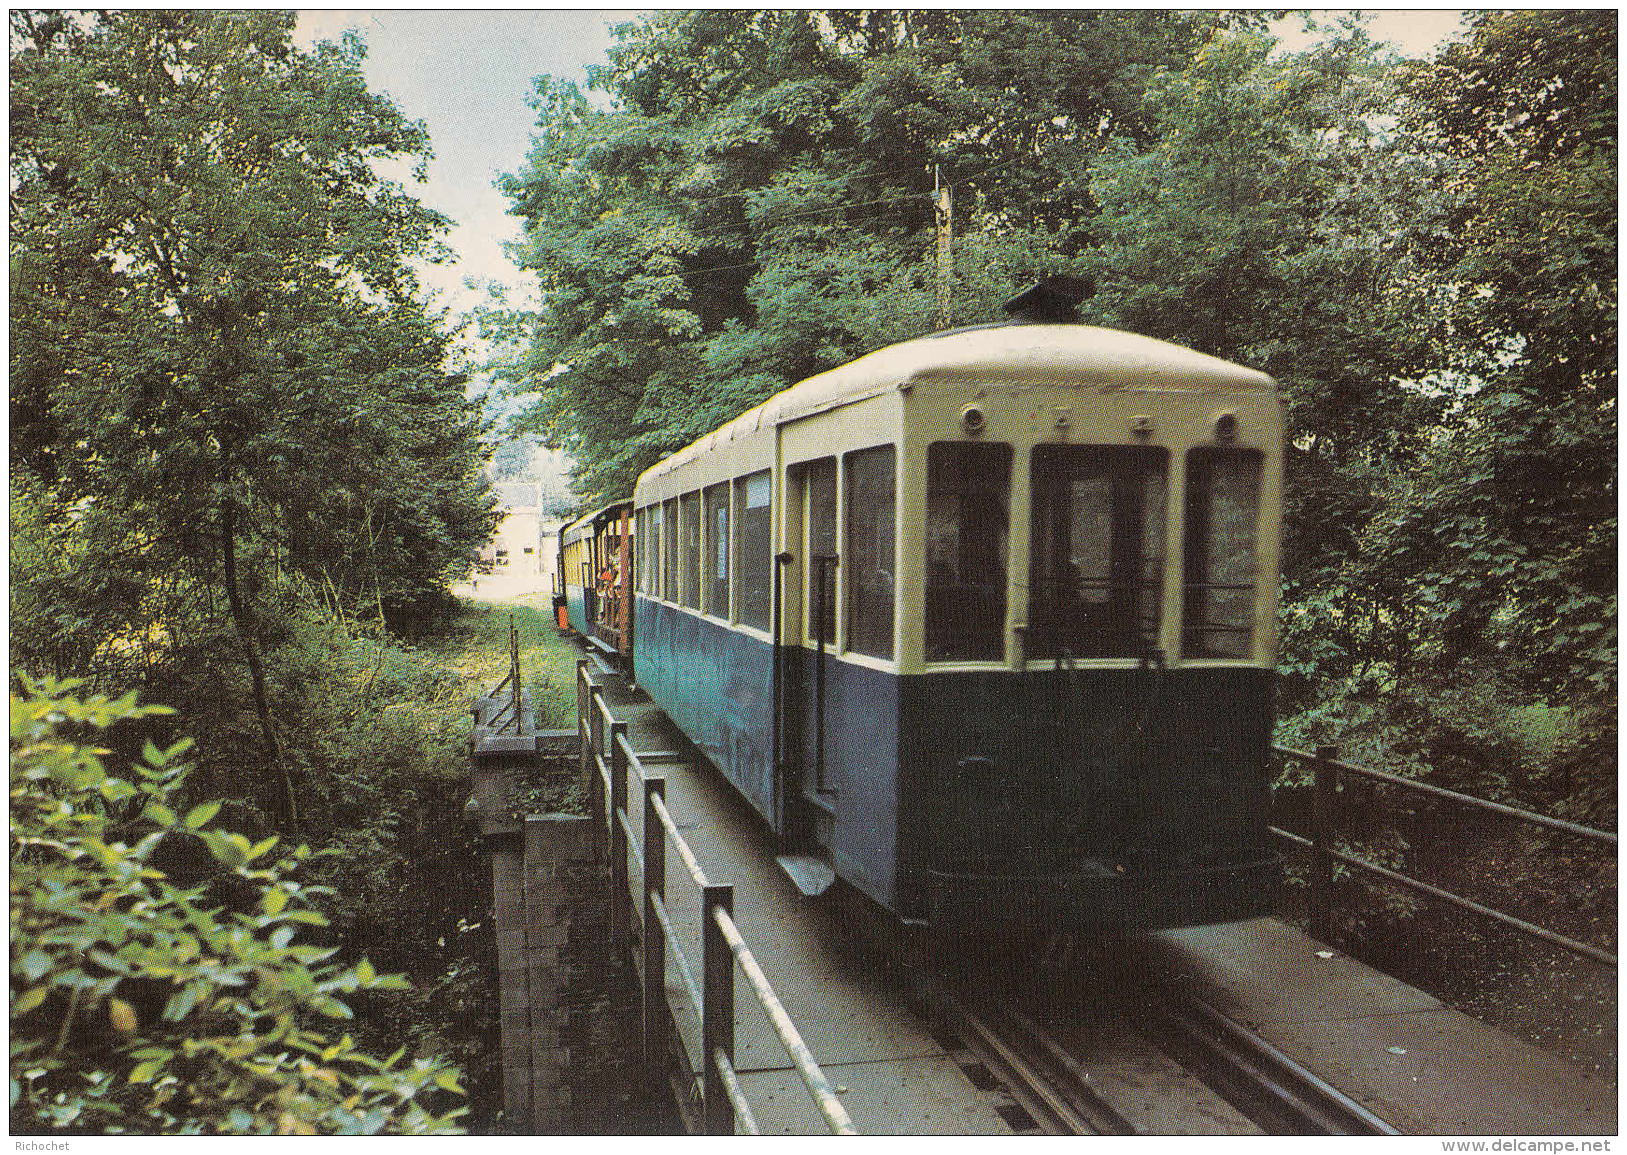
985 621
591 589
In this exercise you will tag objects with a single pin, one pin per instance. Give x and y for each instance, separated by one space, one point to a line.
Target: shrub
146 1003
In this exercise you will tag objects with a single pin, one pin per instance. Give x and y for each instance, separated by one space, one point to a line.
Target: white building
522 554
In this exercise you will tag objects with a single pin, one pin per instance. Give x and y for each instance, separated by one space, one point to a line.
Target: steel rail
1104 1117
679 958
736 1093
1057 1113
1554 938
1603 836
824 1097
1287 1085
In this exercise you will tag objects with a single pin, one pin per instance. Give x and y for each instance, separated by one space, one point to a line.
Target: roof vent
1050 301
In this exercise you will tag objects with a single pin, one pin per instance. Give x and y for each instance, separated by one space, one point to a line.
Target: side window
870 557
1222 568
654 550
689 529
821 522
967 515
753 548
715 560
1096 580
641 552
669 550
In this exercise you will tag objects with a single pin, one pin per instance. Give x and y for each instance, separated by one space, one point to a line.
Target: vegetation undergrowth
375 730
151 997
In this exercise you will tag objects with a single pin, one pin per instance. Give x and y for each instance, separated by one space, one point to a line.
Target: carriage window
669 550
1222 570
689 529
968 485
821 482
654 550
868 563
715 560
1098 550
641 551
753 549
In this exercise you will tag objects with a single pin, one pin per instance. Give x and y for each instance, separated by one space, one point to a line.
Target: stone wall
567 999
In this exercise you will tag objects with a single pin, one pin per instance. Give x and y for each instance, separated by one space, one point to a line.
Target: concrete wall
567 1001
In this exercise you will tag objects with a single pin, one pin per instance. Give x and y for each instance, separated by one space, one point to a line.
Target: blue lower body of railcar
1057 798
716 684
1077 797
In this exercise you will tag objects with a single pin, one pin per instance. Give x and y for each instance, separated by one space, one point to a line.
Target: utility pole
940 196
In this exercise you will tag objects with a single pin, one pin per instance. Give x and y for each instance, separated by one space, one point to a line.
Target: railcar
984 625
594 580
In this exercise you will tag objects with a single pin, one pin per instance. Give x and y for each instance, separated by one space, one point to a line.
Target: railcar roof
1082 356
586 521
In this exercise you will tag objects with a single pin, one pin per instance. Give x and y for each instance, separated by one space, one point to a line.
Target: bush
144 1003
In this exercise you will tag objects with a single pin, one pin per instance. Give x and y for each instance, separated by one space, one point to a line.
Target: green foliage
756 205
143 1004
1266 219
222 370
213 306
1421 252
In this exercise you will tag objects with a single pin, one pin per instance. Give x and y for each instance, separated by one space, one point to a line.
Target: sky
467 74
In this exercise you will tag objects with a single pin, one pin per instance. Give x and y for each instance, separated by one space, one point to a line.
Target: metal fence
609 762
1327 769
498 723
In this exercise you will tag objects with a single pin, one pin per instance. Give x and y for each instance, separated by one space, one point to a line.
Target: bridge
761 1012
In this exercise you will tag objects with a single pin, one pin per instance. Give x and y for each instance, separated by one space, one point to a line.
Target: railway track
1184 1068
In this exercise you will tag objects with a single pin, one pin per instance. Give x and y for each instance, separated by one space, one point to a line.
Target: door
808 639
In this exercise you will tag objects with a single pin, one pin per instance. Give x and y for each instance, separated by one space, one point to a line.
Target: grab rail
607 759
1326 769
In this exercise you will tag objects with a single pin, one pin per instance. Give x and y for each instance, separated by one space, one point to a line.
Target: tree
1515 513
757 203
1268 220
219 357
144 1004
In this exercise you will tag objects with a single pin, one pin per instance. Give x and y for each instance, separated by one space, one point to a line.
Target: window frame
669 550
1196 505
1131 630
850 572
741 592
713 552
995 651
689 550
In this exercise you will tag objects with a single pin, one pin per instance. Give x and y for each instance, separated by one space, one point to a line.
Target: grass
477 648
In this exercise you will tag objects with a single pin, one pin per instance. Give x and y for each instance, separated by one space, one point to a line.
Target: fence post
655 940
717 1012
595 724
584 699
1323 821
620 898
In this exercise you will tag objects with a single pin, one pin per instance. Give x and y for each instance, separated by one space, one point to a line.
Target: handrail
691 863
1326 769
736 1093
691 987
1607 837
1457 900
607 760
824 1097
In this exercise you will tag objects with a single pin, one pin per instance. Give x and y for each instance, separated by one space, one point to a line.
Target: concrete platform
892 1076
1423 1067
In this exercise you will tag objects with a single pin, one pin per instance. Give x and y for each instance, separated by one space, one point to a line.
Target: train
981 624
591 598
